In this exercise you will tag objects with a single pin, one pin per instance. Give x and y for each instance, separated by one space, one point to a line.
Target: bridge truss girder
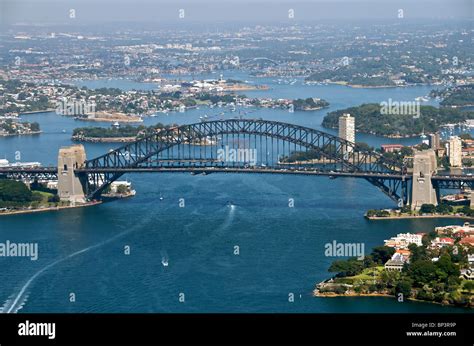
154 150
397 189
453 183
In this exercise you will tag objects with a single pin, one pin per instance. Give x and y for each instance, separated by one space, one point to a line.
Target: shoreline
363 86
57 208
436 216
311 109
245 87
21 134
378 135
105 139
110 120
36 112
383 295
318 294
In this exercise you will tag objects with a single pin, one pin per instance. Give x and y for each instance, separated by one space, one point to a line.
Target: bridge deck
245 170
270 170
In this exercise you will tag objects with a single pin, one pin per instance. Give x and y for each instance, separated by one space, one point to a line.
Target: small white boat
164 261
422 99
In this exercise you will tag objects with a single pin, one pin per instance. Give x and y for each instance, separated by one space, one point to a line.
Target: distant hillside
460 96
369 119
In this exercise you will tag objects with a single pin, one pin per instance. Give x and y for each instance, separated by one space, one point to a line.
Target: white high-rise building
347 129
455 151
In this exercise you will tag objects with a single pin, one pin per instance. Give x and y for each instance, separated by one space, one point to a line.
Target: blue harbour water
81 251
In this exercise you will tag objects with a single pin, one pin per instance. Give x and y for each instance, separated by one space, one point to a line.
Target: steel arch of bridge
336 153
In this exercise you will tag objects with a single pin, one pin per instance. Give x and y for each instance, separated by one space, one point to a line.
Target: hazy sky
96 11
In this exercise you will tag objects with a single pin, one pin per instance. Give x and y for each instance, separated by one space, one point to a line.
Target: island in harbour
116 133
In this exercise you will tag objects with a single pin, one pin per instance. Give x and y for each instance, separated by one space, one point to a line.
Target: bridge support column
471 199
70 186
423 192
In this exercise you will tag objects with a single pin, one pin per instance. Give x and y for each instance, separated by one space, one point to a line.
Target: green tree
362 146
390 278
427 209
54 199
469 286
122 189
418 253
349 267
406 151
422 272
34 127
465 136
16 191
382 213
382 254
444 208
404 287
466 210
371 213
447 271
444 161
405 209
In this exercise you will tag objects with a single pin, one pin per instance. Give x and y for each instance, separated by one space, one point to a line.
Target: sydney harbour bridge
246 146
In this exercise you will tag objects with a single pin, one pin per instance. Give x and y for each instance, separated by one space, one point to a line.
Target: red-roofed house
403 252
467 241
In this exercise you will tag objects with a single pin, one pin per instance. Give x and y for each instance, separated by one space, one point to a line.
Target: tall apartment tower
455 151
434 141
347 129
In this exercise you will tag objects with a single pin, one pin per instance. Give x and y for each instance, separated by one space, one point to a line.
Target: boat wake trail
18 306
16 301
229 219
6 304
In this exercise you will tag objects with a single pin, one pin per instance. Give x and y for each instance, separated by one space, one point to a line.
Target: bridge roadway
268 170
207 170
251 169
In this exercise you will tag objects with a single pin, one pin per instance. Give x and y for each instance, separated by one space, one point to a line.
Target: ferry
6 164
456 199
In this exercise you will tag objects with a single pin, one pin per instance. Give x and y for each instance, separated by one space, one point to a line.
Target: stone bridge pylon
70 184
424 167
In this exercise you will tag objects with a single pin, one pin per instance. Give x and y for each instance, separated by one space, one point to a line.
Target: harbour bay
281 248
